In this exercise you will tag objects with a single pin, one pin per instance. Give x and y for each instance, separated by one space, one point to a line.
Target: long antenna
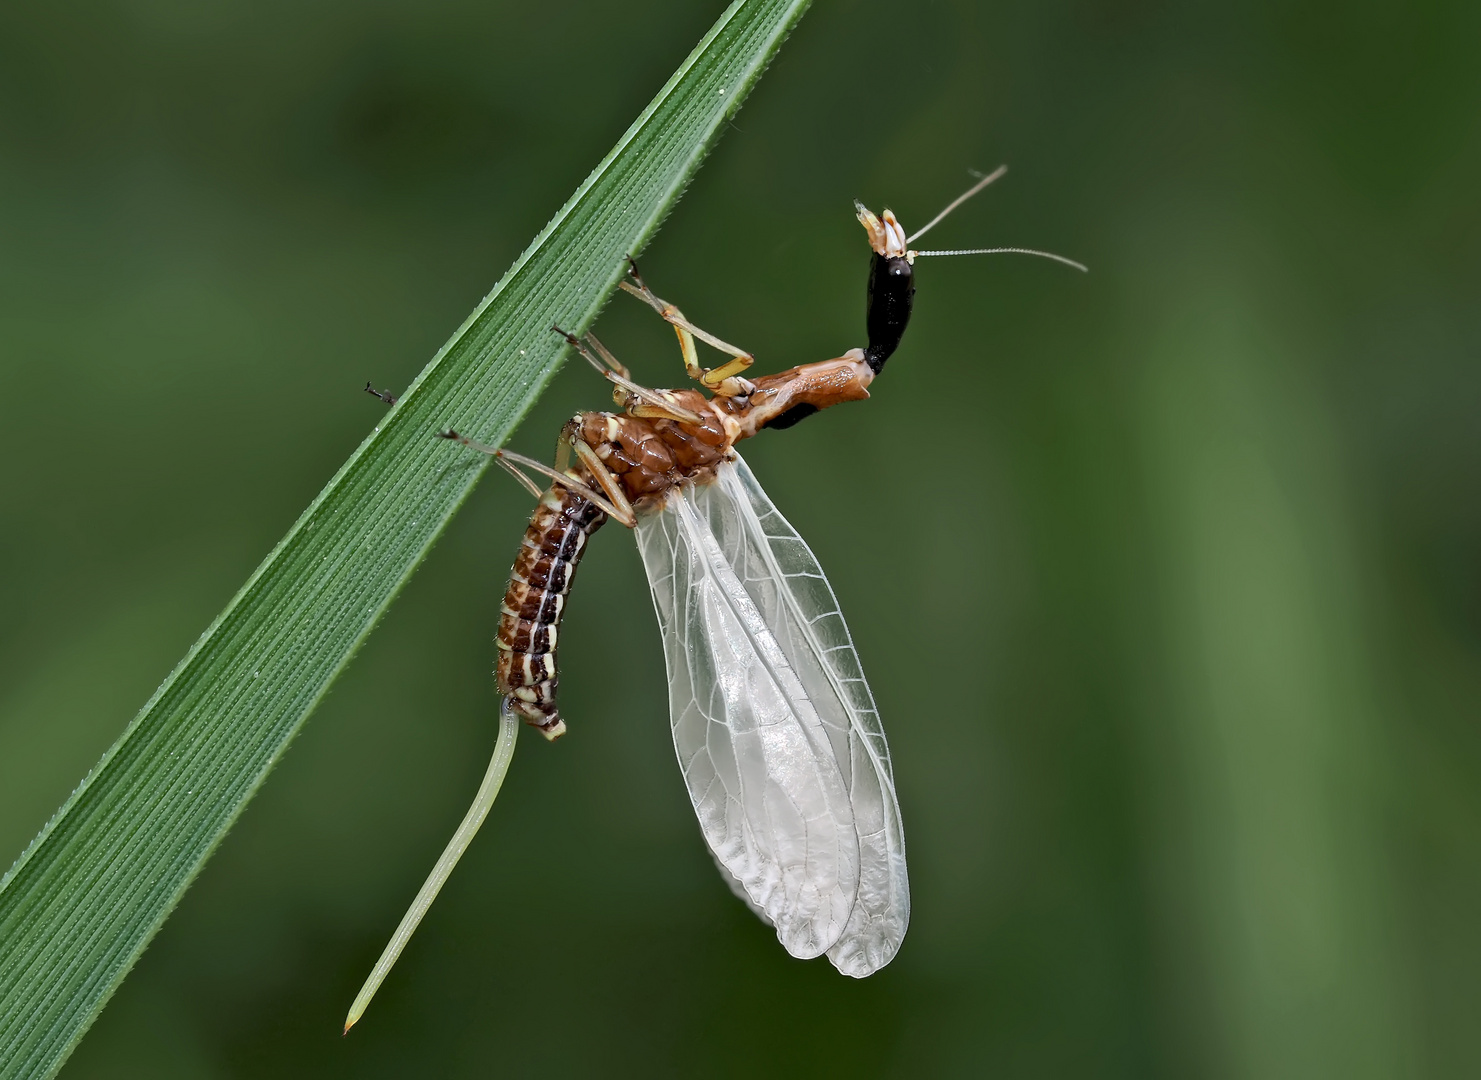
492 780
1008 251
963 197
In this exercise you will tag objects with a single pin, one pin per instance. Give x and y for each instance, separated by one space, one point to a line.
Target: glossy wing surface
760 766
720 557
784 579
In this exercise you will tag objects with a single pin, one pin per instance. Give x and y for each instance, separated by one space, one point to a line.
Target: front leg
722 380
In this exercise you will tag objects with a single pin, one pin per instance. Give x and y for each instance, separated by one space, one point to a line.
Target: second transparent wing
760 765
788 585
726 542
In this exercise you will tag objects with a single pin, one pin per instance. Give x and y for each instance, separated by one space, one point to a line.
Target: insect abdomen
538 586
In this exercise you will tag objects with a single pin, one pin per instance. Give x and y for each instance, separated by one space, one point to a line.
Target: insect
776 732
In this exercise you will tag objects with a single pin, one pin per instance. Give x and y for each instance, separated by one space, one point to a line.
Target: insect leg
711 378
513 470
605 363
607 357
623 510
658 405
625 515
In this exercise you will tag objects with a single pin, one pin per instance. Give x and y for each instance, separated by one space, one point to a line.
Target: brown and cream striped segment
529 623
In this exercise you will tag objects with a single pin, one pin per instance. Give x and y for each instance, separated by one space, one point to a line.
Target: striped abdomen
531 616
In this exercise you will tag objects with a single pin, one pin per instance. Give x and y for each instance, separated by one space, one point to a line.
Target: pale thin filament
487 792
1009 251
963 197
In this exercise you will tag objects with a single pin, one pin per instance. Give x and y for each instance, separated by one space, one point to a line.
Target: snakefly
776 732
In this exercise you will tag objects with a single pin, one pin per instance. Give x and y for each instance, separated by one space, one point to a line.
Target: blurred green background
1166 578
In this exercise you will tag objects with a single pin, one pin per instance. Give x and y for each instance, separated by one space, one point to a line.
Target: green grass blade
83 901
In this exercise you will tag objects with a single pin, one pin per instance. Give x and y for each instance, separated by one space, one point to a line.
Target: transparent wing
808 621
726 542
760 767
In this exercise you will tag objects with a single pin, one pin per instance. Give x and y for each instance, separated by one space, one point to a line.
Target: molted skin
646 457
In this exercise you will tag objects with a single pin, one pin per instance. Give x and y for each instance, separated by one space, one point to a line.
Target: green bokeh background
1166 578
